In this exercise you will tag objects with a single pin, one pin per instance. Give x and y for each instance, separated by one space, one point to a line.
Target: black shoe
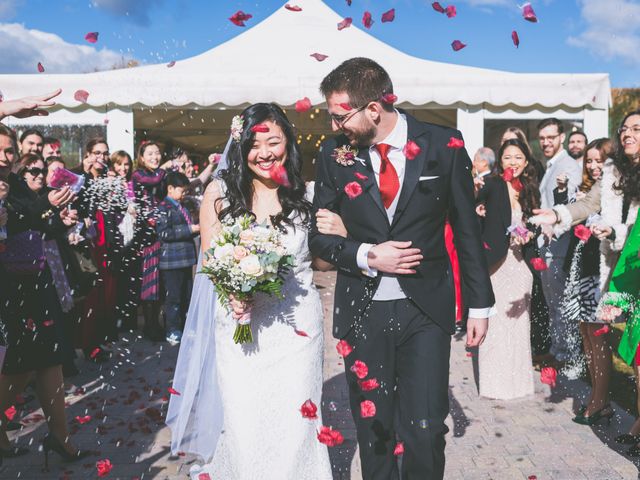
634 451
605 412
627 439
13 452
52 443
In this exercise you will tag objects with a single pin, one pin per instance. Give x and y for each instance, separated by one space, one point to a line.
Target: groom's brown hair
362 79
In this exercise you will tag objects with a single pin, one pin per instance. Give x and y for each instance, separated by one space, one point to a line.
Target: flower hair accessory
237 126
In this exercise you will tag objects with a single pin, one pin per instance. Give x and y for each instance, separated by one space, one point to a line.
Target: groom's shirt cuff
362 259
482 312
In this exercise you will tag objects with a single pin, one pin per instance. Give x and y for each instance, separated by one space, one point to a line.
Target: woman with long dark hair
509 198
283 365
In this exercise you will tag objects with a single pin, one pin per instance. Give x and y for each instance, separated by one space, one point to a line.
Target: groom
394 296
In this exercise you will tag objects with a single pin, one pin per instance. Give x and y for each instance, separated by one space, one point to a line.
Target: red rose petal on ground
309 410
437 7
171 63
91 37
173 391
548 375
455 143
367 19
279 175
83 420
539 264
10 412
411 150
103 467
515 38
31 325
582 232
95 352
344 348
346 106
40 68
528 13
389 98
319 56
360 176
360 369
368 385
389 16
601 331
303 105
399 450
330 437
457 45
451 11
346 23
353 190
367 409
532 477
302 333
47 323
81 96
239 18
204 476
293 8
261 127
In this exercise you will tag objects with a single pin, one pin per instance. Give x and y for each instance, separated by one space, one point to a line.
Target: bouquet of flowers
246 258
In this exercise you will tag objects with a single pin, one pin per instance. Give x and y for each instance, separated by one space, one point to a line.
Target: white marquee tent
192 101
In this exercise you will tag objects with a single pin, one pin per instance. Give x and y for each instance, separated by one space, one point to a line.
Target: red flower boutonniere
345 155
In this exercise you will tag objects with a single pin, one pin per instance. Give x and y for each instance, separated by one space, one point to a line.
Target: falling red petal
309 410
583 233
486 246
293 8
367 19
451 11
353 190
346 106
239 18
10 412
548 375
367 409
601 331
103 467
302 333
528 13
83 420
389 98
204 476
437 7
360 369
279 175
172 391
344 348
389 16
171 63
40 67
345 23
95 352
368 385
329 436
455 143
81 96
469 354
411 150
360 176
515 38
260 128
47 323
303 105
457 45
539 264
319 56
91 37
399 450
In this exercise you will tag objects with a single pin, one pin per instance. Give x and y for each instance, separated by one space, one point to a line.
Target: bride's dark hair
239 178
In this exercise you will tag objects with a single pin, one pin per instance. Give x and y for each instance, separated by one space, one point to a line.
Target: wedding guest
510 197
51 148
53 163
576 145
31 141
581 299
517 133
176 231
483 162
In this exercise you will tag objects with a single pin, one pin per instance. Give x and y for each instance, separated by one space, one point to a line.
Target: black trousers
409 356
178 284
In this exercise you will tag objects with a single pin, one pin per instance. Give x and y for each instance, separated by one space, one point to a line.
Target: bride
239 405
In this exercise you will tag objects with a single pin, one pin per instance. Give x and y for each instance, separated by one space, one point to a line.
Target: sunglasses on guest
35 171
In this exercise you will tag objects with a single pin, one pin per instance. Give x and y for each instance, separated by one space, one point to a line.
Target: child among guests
176 230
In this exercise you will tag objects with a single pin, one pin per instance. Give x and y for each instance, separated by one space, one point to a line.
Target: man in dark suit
394 297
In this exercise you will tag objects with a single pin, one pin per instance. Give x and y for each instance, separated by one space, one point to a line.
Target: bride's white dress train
263 385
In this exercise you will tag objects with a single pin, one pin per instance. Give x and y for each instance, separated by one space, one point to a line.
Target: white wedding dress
264 384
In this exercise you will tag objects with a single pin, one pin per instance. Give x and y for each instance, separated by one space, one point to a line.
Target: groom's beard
363 138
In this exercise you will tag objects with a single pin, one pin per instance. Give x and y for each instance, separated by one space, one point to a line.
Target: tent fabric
239 72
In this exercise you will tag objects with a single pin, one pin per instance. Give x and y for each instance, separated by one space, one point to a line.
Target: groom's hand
394 257
476 331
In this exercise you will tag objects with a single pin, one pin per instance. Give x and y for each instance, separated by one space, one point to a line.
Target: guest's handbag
24 253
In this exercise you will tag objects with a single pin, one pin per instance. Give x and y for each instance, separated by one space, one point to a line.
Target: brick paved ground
488 439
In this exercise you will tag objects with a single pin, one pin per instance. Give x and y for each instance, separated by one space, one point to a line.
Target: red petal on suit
260 128
173 391
367 409
293 8
601 331
83 420
40 68
369 385
486 246
548 375
81 96
279 175
360 176
345 23
528 13
515 38
302 333
399 450
344 348
457 45
47 323
411 150
309 410
539 264
451 11
389 16
455 143
367 19
303 105
10 412
319 56
103 467
239 18
91 37
329 436
353 190
360 369
582 232
437 7
389 98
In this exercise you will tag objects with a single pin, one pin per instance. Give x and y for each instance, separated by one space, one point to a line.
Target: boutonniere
345 155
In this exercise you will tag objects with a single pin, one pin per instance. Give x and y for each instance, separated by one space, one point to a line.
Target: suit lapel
370 185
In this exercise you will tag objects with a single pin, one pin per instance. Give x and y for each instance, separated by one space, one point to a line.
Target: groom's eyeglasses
340 120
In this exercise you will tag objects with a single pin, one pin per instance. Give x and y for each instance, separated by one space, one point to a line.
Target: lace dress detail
505 355
264 384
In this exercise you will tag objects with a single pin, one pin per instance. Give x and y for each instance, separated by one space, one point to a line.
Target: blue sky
571 36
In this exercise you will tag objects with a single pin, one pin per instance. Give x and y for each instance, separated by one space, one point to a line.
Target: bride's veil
195 415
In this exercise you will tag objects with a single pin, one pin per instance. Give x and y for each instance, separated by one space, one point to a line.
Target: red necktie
389 183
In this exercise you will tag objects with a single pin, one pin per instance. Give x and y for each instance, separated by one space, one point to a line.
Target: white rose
223 251
250 265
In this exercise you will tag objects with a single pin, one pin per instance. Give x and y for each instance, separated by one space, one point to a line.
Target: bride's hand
330 223
239 307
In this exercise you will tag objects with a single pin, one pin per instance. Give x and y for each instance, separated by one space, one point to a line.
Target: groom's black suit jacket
422 209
